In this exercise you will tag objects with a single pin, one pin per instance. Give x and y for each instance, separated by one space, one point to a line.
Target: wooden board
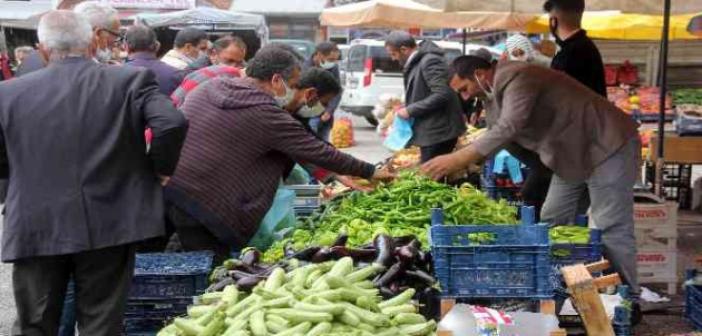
586 297
684 150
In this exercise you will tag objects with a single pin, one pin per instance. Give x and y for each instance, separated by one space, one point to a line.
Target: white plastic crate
658 266
655 217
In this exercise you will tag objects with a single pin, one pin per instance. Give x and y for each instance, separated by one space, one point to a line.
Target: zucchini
275 280
400 299
298 316
408 318
349 318
188 327
320 329
418 329
394 310
215 326
300 328
257 323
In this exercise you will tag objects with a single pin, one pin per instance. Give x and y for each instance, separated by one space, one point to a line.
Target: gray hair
64 33
140 38
99 15
400 38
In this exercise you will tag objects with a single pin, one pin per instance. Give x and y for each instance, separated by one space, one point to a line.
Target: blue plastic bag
279 219
400 135
514 167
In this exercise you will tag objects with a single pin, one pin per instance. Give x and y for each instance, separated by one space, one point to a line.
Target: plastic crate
510 194
693 302
169 275
143 326
516 264
306 190
579 253
157 307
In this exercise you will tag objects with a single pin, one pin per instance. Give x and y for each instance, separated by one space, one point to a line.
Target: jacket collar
142 55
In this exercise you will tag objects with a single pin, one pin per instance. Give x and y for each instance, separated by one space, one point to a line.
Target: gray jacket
429 99
72 142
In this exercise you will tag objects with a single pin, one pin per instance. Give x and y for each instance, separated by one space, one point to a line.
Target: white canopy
208 19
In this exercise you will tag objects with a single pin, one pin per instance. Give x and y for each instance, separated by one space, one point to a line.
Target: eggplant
219 286
341 240
391 274
251 257
386 292
338 252
407 254
363 255
249 283
324 254
307 253
240 274
289 250
415 244
404 240
385 249
422 276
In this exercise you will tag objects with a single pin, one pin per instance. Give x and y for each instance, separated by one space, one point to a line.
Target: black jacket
429 99
73 143
580 59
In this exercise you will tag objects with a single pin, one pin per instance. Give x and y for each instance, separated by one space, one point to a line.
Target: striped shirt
239 146
198 77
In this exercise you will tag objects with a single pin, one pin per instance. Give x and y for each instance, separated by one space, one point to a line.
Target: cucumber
257 323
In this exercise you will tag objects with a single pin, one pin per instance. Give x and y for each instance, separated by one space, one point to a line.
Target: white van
369 73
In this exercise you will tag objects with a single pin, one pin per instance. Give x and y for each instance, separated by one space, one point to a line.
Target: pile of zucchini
330 298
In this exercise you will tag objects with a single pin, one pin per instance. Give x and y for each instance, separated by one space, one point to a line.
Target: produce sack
400 135
342 133
279 219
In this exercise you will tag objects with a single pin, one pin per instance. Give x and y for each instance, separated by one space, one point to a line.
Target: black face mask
553 26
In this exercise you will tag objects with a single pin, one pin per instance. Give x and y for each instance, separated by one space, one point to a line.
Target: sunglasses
119 38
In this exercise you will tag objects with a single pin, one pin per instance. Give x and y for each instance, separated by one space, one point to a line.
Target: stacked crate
307 199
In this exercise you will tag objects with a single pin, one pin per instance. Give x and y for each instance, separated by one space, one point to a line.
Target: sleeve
519 98
168 125
291 138
435 73
333 104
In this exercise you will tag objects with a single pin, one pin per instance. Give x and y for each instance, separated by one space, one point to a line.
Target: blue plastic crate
579 253
143 326
693 303
158 308
159 275
515 265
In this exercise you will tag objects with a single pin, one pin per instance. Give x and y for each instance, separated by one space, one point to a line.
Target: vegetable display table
678 149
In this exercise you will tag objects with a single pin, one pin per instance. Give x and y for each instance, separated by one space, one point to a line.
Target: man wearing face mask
578 56
325 57
189 44
240 144
105 22
434 107
578 134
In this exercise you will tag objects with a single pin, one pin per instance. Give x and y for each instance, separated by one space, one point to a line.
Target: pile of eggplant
406 265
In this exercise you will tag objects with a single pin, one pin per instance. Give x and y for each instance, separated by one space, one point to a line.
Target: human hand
326 116
348 181
383 174
164 180
402 112
442 166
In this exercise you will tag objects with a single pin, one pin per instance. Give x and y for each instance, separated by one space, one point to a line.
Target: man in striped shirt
228 59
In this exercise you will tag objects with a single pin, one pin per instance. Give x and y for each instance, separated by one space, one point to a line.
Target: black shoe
636 314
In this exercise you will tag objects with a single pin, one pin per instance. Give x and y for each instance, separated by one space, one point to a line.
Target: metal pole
465 39
663 83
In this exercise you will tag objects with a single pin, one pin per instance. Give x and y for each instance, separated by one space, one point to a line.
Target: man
241 143
574 131
88 191
225 58
325 56
141 46
579 56
434 107
21 53
189 44
203 59
229 50
105 23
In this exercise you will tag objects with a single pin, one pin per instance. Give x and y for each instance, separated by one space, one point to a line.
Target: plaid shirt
201 76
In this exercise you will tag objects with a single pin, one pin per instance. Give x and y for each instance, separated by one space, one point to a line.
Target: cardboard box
658 266
655 217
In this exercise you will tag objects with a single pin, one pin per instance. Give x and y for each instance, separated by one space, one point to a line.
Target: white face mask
489 94
327 65
311 112
522 58
285 99
103 55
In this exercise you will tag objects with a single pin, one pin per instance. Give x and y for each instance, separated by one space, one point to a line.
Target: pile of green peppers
401 208
687 96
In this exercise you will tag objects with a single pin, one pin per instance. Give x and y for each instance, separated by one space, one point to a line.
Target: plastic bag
400 135
342 133
298 175
279 219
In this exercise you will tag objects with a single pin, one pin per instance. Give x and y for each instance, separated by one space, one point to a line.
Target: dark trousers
194 236
441 148
536 186
102 278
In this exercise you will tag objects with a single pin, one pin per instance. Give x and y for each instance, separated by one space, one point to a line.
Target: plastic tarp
208 19
654 7
411 14
616 25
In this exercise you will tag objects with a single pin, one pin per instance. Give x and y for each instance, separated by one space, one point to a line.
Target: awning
616 25
654 7
411 14
289 8
208 19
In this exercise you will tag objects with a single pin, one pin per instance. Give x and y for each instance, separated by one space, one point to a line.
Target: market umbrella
411 14
615 25
695 26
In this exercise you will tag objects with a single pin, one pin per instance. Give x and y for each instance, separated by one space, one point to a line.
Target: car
343 58
304 47
370 73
